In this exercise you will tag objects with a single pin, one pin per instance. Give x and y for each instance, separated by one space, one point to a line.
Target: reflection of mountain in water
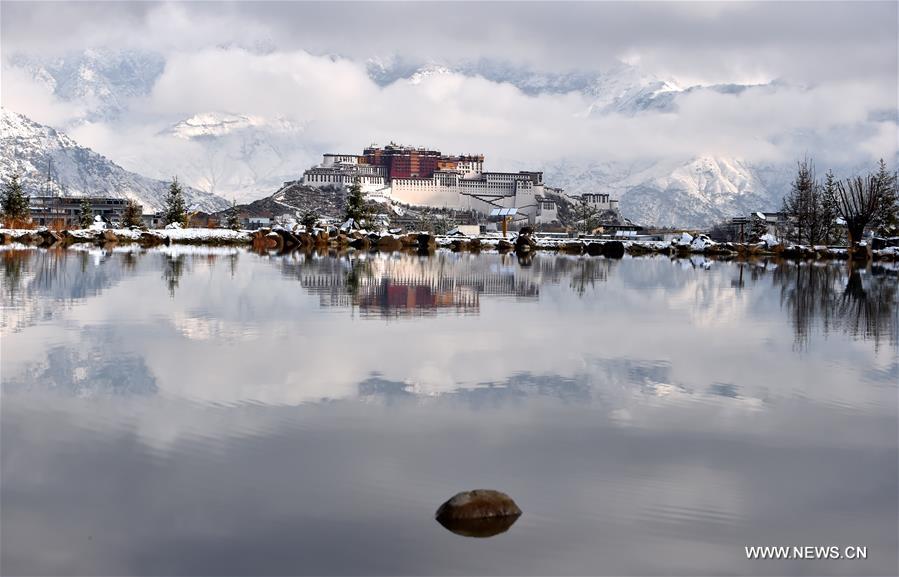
860 302
602 379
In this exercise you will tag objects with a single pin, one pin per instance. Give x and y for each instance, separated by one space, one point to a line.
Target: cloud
307 64
21 92
714 42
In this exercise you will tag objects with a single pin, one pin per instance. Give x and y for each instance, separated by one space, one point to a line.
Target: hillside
30 149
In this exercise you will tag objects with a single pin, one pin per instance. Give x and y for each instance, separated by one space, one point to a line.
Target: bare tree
857 201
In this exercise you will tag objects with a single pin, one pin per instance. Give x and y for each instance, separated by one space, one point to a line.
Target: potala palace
427 177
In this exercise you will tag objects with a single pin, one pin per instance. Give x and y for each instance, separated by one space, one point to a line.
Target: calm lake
194 411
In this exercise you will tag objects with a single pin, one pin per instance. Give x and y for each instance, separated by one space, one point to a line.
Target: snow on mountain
242 155
698 192
29 148
216 124
104 79
622 88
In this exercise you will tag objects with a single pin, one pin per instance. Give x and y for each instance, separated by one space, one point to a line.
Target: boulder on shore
525 243
575 247
458 245
389 243
426 242
594 248
613 249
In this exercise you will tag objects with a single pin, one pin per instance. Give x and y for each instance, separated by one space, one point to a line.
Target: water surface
183 411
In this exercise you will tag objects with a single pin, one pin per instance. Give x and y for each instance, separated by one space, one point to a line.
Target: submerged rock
480 528
478 504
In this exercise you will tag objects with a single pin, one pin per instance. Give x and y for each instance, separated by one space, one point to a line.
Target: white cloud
277 62
21 92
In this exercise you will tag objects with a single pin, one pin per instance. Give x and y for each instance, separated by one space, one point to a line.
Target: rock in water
478 513
478 504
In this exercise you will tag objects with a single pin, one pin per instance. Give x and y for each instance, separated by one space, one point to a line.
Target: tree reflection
867 307
860 302
586 272
173 268
14 262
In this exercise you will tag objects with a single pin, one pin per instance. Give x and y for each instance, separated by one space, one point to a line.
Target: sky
822 78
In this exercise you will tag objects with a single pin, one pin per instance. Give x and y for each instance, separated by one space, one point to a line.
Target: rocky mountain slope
31 149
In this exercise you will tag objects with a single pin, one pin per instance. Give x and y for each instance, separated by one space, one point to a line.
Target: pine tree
798 204
757 229
830 232
309 219
15 203
586 215
132 214
886 219
355 205
175 209
86 216
233 221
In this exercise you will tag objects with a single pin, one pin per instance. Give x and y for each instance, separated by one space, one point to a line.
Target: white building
600 201
343 175
547 211
453 182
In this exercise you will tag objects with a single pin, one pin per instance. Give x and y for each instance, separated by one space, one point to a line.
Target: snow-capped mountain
693 193
216 124
622 89
31 149
105 80
245 156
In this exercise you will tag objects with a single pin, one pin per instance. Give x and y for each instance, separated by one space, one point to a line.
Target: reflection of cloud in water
639 433
96 367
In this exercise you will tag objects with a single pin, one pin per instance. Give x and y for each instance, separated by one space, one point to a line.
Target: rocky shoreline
280 239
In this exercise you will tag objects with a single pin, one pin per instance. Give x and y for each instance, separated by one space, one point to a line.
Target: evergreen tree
132 214
355 204
175 209
886 219
798 204
830 233
86 216
586 215
309 219
757 229
811 207
15 203
233 221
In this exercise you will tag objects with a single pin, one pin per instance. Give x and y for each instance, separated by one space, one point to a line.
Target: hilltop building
600 201
428 177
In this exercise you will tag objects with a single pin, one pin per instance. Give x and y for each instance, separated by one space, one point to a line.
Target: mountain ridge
29 148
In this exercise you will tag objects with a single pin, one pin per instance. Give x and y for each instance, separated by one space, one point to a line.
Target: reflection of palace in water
410 286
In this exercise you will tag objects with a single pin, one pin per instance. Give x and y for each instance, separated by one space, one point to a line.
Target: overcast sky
829 70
